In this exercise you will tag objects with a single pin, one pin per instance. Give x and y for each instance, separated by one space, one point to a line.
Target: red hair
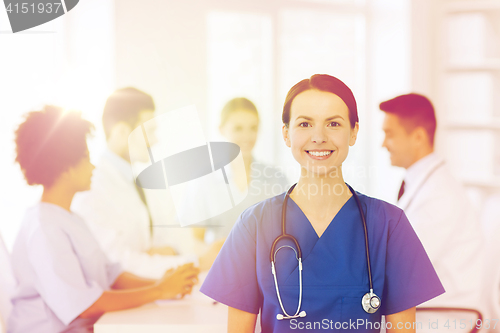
326 83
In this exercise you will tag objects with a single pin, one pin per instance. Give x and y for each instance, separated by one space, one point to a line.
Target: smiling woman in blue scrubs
320 124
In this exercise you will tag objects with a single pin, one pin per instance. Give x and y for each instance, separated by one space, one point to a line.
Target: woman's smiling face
241 127
319 133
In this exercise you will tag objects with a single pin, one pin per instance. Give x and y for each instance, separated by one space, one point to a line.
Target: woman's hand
178 282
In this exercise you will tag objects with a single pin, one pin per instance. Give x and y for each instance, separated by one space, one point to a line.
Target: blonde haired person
240 125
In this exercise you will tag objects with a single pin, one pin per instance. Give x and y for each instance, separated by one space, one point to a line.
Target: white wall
389 75
67 62
162 47
166 52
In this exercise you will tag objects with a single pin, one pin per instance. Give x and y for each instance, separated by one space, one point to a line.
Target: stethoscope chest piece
370 302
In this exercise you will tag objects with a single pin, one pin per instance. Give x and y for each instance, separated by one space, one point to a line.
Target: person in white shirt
115 209
436 203
7 285
64 280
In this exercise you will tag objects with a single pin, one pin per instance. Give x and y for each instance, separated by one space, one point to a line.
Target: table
154 318
195 313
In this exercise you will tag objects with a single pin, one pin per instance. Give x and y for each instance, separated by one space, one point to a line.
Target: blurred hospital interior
206 52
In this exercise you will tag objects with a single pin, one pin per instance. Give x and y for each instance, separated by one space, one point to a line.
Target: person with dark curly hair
64 280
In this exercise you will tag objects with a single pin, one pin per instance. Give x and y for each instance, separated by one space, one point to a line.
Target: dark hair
325 83
236 104
414 111
49 142
125 105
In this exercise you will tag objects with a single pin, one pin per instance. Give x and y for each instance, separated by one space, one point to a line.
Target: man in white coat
435 203
115 208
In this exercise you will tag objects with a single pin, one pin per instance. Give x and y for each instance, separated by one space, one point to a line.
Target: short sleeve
410 278
232 280
59 277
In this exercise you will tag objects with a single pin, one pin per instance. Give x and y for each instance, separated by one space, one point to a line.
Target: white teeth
320 153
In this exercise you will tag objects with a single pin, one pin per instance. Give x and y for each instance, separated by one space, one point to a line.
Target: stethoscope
370 302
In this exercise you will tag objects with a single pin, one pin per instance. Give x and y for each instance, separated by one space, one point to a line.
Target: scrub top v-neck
295 206
334 272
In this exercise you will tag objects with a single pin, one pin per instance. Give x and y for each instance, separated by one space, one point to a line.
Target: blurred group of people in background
87 247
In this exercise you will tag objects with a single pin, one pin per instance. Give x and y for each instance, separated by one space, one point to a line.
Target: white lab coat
444 220
60 272
119 219
490 221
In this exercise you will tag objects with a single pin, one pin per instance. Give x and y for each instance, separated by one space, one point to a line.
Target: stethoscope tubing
284 235
275 276
367 245
298 256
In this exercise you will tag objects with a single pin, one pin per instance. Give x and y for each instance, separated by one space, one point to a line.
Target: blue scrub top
335 274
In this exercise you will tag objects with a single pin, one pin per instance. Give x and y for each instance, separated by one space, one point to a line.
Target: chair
444 319
7 284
